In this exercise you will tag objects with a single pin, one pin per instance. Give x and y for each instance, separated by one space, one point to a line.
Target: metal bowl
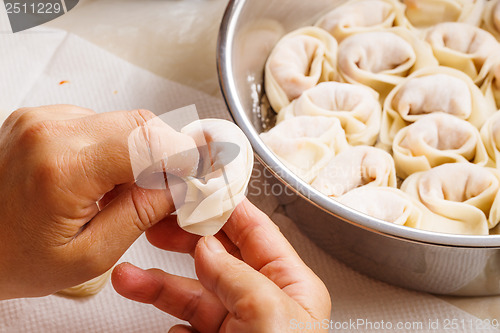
426 261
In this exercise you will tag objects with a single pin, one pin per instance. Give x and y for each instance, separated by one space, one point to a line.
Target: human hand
250 280
56 163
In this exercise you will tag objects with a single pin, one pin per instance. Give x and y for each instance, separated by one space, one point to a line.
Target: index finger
257 237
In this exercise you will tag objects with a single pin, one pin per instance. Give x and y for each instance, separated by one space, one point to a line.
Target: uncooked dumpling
437 139
355 167
357 108
395 206
490 133
491 18
463 47
362 16
298 62
432 90
491 85
459 191
384 203
425 13
306 144
89 288
382 59
226 163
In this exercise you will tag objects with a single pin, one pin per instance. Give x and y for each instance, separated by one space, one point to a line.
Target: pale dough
436 139
220 186
306 144
357 108
299 61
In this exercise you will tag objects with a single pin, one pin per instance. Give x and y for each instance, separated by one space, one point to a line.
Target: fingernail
214 245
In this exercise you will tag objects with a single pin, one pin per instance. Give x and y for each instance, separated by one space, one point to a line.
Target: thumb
245 292
114 229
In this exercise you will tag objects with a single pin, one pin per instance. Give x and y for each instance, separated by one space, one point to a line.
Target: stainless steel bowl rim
226 81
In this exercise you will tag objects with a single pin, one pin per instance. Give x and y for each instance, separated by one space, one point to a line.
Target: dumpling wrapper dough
459 191
89 288
306 144
382 59
491 85
211 199
463 47
362 16
357 108
432 90
355 167
490 134
491 18
395 206
298 62
426 13
437 139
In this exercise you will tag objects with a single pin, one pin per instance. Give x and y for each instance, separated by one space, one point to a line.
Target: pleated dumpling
463 47
437 139
225 168
298 62
355 167
306 144
463 192
385 203
491 85
490 133
362 16
357 108
491 18
426 13
395 206
431 90
382 59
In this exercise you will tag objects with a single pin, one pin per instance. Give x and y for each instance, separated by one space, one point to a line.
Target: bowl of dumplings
382 117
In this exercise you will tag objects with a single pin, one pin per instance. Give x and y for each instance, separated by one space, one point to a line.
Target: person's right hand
70 207
251 281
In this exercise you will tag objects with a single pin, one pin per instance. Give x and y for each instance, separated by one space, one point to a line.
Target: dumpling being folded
490 133
463 47
491 18
459 191
395 206
306 144
226 163
362 16
432 90
298 62
382 59
355 167
357 108
425 13
437 139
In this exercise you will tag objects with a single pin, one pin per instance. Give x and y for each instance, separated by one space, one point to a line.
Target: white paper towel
99 80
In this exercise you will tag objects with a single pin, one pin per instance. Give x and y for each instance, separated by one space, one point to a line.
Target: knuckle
140 116
144 209
191 307
253 304
21 116
33 133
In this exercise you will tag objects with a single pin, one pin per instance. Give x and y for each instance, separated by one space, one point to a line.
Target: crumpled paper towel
33 64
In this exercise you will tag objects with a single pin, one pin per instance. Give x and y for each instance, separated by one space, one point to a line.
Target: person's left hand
70 207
